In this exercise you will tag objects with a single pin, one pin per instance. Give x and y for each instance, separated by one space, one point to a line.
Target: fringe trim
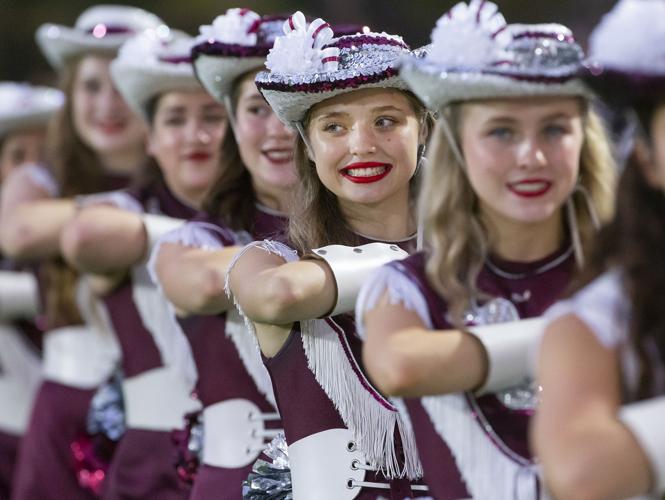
487 471
401 290
371 418
159 318
250 354
41 177
18 359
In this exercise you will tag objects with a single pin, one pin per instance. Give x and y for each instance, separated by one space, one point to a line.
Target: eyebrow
378 109
510 119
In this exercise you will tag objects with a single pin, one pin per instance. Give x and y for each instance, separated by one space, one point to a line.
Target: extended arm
193 278
30 219
585 450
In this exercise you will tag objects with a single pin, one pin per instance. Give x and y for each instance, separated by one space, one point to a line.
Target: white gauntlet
19 295
508 346
157 226
645 421
352 265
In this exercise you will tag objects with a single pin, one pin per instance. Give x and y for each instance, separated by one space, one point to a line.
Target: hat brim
60 43
25 121
291 105
438 89
218 74
140 84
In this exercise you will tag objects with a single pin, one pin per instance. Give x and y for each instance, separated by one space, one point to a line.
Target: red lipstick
366 172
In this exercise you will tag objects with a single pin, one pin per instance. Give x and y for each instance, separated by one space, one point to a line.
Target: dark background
20 58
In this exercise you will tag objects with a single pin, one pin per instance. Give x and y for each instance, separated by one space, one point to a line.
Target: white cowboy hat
23 106
307 65
150 64
99 29
474 54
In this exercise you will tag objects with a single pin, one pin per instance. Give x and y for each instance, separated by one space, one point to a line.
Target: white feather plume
233 27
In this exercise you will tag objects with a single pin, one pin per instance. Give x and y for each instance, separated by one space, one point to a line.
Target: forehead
185 98
93 65
362 101
522 108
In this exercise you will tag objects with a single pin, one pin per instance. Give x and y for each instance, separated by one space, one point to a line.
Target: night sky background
21 60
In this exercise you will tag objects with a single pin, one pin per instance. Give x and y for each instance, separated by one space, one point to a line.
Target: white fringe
401 290
372 424
487 471
41 177
250 354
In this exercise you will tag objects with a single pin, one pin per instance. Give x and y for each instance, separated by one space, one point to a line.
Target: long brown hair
232 196
317 219
634 242
455 236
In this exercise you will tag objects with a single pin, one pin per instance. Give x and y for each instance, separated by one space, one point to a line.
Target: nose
197 132
361 140
530 154
277 129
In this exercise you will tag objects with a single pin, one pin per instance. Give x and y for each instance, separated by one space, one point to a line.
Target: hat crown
475 38
126 18
157 46
631 38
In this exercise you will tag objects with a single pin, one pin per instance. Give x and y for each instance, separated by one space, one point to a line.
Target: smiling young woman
356 158
501 233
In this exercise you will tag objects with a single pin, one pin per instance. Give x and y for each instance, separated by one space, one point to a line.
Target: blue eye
332 128
502 133
554 130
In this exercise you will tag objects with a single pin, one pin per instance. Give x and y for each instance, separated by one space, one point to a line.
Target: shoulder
602 306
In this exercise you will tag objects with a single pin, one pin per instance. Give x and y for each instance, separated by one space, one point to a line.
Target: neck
389 220
526 242
125 163
275 199
191 199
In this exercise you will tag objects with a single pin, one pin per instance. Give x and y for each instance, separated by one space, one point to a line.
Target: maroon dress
47 469
494 426
305 373
9 442
222 373
143 463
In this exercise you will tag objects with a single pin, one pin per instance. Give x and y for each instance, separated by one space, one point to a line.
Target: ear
646 164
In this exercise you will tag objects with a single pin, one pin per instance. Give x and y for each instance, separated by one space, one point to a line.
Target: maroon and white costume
239 411
345 439
475 446
22 107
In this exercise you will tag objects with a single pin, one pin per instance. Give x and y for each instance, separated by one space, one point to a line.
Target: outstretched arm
405 358
585 450
270 290
104 239
193 278
30 218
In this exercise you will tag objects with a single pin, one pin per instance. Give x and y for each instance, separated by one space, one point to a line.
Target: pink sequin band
356 40
542 34
219 49
101 30
176 59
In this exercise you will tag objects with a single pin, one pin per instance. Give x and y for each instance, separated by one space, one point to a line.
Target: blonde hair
455 236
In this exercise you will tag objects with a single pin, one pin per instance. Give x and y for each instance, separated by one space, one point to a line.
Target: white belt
78 356
16 399
157 400
234 433
329 466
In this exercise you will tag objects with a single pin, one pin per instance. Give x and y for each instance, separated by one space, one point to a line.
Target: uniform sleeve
603 306
401 290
